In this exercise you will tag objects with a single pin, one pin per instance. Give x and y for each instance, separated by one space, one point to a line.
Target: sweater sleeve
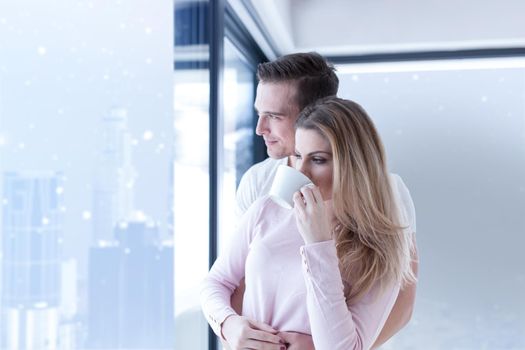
226 274
335 325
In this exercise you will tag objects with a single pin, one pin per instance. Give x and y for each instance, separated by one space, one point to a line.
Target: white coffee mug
287 181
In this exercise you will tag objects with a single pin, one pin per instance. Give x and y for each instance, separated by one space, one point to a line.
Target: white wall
349 26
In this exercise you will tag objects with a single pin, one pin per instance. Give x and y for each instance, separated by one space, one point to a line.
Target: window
454 130
238 140
105 169
191 170
86 151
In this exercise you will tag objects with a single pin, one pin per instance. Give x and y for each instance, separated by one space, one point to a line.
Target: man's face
277 110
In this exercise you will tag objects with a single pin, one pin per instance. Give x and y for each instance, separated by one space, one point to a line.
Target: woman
331 267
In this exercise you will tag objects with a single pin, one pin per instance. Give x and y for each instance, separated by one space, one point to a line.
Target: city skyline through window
86 148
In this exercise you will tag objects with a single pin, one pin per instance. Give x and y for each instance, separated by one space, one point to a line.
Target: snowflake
148 135
86 215
41 50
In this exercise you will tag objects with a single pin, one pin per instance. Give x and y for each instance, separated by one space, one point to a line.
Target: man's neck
290 161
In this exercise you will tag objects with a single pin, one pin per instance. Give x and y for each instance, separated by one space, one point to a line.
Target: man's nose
262 126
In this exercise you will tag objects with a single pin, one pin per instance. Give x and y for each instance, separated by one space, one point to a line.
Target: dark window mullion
216 36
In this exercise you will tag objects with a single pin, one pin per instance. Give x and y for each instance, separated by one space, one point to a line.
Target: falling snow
41 50
86 215
148 135
55 93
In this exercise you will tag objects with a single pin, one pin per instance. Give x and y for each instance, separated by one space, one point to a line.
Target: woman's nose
300 165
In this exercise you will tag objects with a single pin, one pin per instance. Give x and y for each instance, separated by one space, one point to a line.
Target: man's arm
402 310
236 299
236 303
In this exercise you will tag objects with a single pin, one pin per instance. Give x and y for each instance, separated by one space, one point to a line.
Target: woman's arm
216 290
334 324
222 279
398 318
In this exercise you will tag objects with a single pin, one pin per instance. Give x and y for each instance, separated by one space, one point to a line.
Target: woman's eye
318 160
297 156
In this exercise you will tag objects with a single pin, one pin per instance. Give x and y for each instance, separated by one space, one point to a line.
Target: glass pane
238 91
86 144
455 132
190 190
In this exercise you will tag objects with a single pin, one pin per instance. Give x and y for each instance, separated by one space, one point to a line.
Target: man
286 86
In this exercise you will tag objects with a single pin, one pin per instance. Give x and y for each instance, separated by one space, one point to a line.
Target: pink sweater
291 286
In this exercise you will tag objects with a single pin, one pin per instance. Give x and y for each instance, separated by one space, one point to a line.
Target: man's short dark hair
312 75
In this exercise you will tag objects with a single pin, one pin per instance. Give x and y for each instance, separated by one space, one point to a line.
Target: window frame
224 23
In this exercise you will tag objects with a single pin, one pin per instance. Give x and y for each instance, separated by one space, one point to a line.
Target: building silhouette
131 296
114 176
31 259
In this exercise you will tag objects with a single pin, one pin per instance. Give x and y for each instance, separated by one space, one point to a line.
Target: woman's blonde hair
371 245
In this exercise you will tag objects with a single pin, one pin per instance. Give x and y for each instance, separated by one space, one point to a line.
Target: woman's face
314 159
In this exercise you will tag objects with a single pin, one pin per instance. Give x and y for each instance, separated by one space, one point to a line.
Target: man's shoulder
398 182
256 182
265 168
395 176
404 197
399 187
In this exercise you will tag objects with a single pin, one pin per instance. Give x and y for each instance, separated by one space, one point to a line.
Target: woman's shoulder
268 213
264 205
